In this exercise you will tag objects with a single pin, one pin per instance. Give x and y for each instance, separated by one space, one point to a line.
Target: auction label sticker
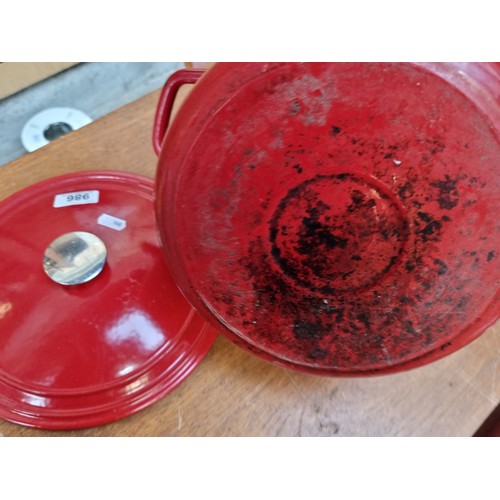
112 222
76 198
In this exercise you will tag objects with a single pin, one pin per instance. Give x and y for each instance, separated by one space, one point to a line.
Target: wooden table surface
233 393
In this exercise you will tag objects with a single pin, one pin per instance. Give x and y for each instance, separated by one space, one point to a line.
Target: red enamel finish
83 355
167 98
337 218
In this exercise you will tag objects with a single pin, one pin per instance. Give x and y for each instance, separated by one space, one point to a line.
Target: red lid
81 355
338 218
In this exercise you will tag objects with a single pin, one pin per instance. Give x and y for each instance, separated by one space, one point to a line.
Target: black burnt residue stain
408 327
337 312
264 204
385 234
406 190
359 201
335 130
391 263
442 267
343 176
437 147
318 354
410 266
364 318
337 326
227 298
447 192
431 231
357 197
400 232
316 234
330 332
291 156
445 346
404 299
491 255
303 329
425 216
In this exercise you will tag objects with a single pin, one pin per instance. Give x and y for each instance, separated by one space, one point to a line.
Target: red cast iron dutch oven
335 218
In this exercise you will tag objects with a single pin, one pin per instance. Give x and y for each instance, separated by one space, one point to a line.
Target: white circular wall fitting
49 124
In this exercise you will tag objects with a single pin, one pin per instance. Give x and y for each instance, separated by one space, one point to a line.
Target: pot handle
166 102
